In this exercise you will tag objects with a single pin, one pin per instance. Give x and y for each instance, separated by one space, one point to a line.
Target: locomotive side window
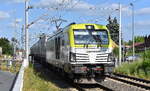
66 40
58 50
57 47
63 42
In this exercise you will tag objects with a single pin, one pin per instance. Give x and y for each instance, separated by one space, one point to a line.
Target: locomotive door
57 48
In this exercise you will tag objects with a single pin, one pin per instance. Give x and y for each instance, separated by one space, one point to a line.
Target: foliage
146 63
139 69
147 41
146 54
130 42
139 39
14 40
113 26
13 69
136 39
6 46
116 51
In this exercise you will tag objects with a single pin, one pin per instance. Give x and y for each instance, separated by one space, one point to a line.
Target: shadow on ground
51 76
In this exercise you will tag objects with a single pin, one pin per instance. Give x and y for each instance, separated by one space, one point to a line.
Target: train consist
80 51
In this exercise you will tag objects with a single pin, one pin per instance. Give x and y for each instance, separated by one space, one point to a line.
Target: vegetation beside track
38 80
139 69
14 68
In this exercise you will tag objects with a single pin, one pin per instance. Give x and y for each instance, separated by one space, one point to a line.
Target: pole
15 38
22 37
26 35
133 49
120 48
15 35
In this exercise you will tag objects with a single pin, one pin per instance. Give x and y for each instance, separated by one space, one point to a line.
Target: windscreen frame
93 30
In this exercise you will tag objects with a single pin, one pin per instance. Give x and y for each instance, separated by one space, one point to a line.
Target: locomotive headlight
110 57
89 27
72 57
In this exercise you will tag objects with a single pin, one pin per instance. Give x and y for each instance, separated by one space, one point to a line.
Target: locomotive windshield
91 37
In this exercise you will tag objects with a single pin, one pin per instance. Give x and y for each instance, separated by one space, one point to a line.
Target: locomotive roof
78 26
83 26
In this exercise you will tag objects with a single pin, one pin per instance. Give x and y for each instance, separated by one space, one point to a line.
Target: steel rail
133 78
129 82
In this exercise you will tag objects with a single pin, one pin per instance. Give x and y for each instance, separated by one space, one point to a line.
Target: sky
79 11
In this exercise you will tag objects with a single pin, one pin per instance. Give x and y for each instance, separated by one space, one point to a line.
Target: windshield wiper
96 38
86 44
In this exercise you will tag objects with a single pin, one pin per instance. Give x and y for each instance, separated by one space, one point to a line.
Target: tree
147 41
113 27
137 39
6 46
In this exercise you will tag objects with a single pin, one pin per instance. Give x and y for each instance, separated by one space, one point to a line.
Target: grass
13 69
38 80
139 69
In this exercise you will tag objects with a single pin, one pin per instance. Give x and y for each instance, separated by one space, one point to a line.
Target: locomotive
80 51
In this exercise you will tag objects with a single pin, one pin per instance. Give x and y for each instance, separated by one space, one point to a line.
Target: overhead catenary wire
64 5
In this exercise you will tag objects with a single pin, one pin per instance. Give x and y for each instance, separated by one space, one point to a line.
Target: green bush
116 52
146 55
146 63
139 69
127 68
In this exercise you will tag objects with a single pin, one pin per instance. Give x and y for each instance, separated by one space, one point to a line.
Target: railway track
145 84
133 78
102 87
91 87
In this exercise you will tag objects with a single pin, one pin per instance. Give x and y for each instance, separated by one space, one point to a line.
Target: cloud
143 24
139 25
82 7
18 1
142 28
15 24
126 11
4 15
77 5
143 11
64 4
19 20
12 1
40 26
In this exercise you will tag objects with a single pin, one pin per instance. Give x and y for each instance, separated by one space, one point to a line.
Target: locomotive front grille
101 57
91 57
82 57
